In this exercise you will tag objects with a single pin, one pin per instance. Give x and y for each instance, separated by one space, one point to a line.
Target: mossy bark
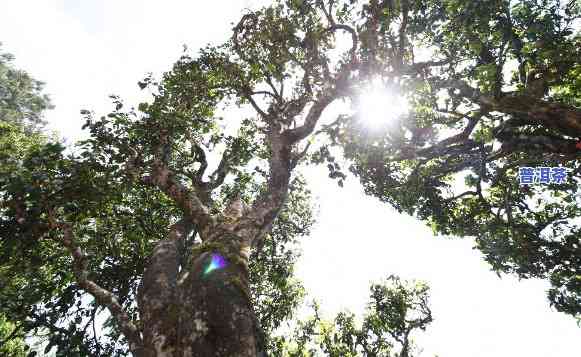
198 311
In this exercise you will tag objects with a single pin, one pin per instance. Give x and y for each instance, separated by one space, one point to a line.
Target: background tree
21 99
396 309
22 106
279 64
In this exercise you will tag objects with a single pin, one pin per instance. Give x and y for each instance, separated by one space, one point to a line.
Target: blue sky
87 50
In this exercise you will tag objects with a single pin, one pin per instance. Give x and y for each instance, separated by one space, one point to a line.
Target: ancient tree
161 210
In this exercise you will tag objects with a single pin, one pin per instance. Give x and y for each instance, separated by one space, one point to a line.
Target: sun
379 105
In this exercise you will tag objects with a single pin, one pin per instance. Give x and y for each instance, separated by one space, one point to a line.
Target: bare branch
497 155
464 89
327 11
248 21
281 90
563 118
281 163
464 135
460 141
469 162
95 338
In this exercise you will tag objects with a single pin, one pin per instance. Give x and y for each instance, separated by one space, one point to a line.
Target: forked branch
186 199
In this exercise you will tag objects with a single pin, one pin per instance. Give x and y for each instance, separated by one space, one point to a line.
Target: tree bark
563 118
203 310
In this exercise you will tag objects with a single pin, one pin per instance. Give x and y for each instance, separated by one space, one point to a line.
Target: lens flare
217 262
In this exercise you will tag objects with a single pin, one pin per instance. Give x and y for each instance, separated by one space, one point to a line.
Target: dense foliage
22 106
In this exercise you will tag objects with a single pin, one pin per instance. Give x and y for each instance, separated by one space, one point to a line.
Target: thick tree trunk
204 310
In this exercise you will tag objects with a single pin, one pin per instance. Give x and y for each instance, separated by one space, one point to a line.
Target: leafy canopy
500 92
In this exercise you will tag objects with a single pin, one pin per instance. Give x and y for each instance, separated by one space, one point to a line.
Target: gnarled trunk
203 310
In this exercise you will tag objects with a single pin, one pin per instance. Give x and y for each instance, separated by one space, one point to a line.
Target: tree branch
163 178
467 193
247 93
259 218
545 144
420 66
102 296
402 37
354 37
200 155
301 132
218 176
296 157
248 21
563 118
265 92
95 338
